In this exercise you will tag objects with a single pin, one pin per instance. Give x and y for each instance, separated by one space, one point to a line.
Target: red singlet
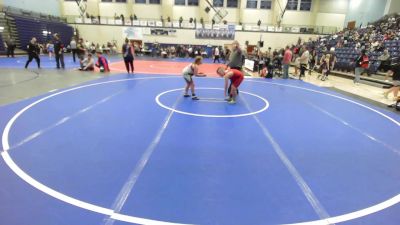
236 78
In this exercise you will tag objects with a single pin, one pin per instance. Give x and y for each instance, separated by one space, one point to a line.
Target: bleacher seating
346 56
28 27
348 44
2 48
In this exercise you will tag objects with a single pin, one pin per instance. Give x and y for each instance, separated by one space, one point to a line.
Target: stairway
10 31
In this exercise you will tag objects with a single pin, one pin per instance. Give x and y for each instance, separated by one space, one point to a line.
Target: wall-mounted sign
159 24
143 23
162 32
221 34
132 33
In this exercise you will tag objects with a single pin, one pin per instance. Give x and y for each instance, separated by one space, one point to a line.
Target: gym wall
323 12
364 11
50 7
102 34
393 6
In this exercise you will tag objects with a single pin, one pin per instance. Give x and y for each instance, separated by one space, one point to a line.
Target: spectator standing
236 57
59 51
33 52
216 54
50 49
190 51
287 58
361 66
128 53
311 62
325 63
180 21
80 49
73 46
227 55
10 45
123 19
304 61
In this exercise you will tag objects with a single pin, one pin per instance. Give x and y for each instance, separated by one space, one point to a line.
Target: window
305 5
218 3
179 2
265 4
232 3
251 4
193 2
155 1
140 1
106 0
292 4
120 1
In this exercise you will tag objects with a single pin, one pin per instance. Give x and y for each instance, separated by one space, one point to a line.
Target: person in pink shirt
287 58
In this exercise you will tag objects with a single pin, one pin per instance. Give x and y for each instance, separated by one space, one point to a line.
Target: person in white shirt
88 63
216 54
190 51
74 47
304 61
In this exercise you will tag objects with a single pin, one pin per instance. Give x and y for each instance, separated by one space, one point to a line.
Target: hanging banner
132 33
162 32
220 34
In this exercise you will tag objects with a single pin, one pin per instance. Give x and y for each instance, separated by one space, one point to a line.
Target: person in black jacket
10 45
59 51
33 52
128 53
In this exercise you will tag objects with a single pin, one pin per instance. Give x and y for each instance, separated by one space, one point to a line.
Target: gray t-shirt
236 59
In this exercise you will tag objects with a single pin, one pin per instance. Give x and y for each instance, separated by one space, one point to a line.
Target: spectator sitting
385 61
164 53
374 45
114 48
87 64
204 53
92 49
105 49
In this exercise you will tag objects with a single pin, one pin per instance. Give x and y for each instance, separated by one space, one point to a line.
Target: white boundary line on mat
132 219
212 115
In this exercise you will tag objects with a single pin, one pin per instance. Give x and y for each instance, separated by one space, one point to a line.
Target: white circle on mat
138 220
265 107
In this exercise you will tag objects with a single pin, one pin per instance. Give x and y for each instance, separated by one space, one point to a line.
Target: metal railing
186 24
